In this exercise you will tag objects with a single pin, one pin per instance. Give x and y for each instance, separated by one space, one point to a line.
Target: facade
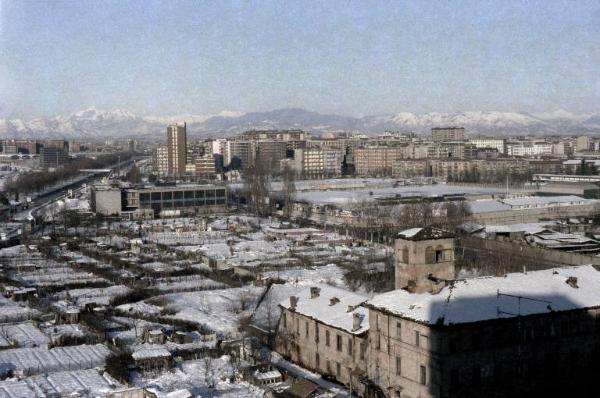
242 152
160 161
324 329
270 153
440 134
205 165
309 163
463 170
525 334
484 142
332 162
54 157
187 198
452 149
377 160
529 148
177 149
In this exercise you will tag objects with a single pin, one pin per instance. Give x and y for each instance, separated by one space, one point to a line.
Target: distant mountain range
95 124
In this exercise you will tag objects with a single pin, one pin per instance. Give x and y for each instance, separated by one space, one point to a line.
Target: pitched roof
333 313
426 233
488 298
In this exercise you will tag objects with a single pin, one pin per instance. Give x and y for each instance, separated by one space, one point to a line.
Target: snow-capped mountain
94 123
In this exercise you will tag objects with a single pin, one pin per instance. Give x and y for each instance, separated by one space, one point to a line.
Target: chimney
351 308
293 302
314 292
356 319
334 301
572 281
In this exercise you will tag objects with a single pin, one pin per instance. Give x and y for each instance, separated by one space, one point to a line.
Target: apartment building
177 149
377 160
440 134
160 161
486 142
309 163
204 166
528 148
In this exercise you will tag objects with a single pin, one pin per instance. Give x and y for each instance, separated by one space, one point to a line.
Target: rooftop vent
572 281
356 320
334 301
293 302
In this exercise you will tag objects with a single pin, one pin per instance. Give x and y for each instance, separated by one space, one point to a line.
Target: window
423 375
439 256
338 342
199 194
328 367
350 346
363 348
167 195
210 194
317 361
338 369
178 194
144 197
155 195
306 330
398 366
398 329
327 338
297 327
188 194
417 342
377 341
316 332
284 320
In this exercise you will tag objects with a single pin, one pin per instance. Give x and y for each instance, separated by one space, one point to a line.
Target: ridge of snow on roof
408 233
336 315
477 299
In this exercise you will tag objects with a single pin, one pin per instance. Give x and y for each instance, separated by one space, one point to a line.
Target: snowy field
203 378
216 310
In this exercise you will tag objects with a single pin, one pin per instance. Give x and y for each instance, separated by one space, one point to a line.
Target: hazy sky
348 57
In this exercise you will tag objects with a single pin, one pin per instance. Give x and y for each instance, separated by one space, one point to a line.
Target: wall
534 254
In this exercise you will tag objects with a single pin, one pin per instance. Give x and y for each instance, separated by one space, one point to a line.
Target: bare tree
289 188
256 185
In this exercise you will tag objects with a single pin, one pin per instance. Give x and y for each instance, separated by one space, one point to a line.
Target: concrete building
377 160
440 134
486 142
205 165
188 198
270 153
54 157
240 152
177 149
309 163
324 329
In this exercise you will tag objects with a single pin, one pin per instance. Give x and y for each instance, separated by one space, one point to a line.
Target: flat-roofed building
440 134
190 198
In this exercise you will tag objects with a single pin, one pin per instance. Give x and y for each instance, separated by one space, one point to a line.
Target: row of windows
168 195
339 339
187 203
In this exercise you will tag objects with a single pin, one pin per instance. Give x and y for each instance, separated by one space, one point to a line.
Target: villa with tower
438 336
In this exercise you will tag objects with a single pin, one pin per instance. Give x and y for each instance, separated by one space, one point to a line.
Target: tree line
36 181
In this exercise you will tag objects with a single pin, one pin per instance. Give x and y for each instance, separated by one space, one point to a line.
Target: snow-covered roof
426 233
486 298
543 200
333 313
150 351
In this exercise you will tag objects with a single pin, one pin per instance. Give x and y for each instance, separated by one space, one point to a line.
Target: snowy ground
204 378
218 310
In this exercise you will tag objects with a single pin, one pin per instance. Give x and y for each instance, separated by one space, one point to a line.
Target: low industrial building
190 199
